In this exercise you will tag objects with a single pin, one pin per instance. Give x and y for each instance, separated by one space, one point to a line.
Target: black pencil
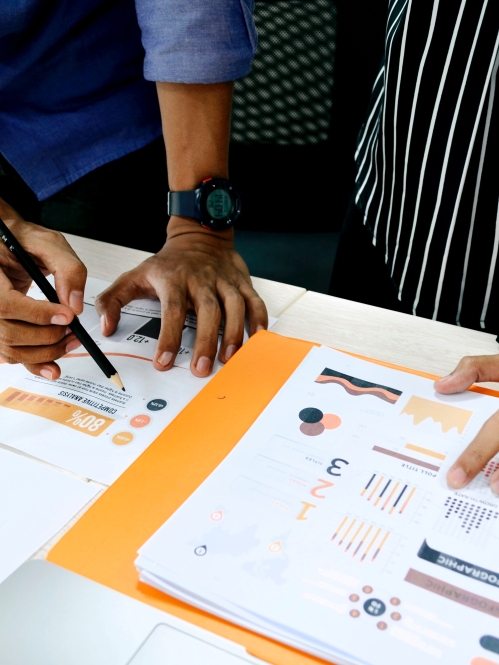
48 290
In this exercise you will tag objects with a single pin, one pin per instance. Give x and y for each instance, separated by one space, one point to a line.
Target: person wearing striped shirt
421 234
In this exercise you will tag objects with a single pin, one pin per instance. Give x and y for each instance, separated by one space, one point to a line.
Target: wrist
182 226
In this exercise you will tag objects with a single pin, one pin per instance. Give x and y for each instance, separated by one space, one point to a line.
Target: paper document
330 526
82 422
35 503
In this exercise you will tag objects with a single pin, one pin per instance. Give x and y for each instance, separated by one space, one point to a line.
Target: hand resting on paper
196 269
474 369
35 332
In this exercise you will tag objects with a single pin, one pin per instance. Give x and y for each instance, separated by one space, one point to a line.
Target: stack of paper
330 526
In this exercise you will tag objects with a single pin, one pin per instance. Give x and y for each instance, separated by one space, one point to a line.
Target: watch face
219 204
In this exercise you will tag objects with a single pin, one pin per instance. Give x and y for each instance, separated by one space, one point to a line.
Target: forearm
196 129
7 211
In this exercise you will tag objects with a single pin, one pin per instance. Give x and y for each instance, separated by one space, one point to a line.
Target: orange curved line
124 355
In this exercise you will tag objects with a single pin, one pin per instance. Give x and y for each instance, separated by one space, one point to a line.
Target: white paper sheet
81 422
36 501
330 525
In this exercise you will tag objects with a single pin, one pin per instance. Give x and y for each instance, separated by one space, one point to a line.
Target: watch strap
183 204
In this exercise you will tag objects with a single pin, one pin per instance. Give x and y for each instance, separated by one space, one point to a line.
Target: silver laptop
50 616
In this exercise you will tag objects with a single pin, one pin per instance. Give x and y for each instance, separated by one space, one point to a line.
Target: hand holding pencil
37 333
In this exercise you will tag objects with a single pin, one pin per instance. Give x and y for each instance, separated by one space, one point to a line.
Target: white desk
399 338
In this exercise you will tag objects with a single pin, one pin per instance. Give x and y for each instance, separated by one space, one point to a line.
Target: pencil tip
115 378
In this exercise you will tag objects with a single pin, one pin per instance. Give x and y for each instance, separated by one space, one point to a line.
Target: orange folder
103 544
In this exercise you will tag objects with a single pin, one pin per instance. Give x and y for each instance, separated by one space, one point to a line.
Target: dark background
296 178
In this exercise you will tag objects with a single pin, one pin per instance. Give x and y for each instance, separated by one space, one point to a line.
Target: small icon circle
381 625
217 515
122 438
140 421
156 404
354 613
396 616
395 601
375 607
354 598
275 547
367 589
200 551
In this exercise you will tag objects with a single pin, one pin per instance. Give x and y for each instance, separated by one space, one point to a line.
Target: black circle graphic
156 404
200 551
375 607
310 415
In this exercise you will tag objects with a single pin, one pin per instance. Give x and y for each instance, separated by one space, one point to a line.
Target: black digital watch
216 203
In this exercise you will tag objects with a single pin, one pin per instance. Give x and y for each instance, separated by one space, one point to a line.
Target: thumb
470 370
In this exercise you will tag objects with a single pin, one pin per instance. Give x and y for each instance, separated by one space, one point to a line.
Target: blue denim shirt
76 76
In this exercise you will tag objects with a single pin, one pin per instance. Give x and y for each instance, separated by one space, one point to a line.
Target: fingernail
457 478
494 484
444 378
259 327
165 358
59 320
72 345
76 300
46 373
203 365
68 331
229 351
103 322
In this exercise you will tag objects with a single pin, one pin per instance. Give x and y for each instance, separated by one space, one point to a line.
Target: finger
55 253
50 371
234 320
16 306
34 355
109 303
494 482
208 324
483 447
257 311
19 333
173 309
470 370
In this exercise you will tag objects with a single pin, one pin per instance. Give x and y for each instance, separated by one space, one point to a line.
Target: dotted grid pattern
470 515
286 99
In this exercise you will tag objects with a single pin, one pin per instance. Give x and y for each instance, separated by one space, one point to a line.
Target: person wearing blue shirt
90 93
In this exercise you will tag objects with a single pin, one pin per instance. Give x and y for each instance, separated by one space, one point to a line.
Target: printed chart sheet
81 422
330 525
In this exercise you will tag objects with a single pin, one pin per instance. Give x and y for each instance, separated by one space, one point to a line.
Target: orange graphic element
391 495
346 532
330 421
425 451
339 528
408 499
122 438
58 411
371 544
482 661
275 547
303 511
140 421
217 515
375 488
324 485
352 540
445 414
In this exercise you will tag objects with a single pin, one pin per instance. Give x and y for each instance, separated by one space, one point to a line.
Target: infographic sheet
330 526
82 422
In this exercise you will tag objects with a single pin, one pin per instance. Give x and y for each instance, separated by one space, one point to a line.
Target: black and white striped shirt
427 159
